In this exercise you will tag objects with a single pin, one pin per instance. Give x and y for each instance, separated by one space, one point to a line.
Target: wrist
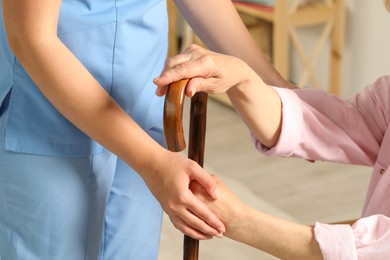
247 86
240 222
154 161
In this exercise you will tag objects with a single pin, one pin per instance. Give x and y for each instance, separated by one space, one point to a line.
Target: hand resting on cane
216 73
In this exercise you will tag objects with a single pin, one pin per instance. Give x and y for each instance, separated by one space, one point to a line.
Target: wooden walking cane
174 135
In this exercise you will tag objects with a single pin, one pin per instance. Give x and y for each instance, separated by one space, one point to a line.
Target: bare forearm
220 27
80 98
258 103
280 238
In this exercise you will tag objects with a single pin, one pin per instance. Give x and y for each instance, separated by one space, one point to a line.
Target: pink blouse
320 126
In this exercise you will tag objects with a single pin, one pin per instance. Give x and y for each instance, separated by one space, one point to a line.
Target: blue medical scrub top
122 43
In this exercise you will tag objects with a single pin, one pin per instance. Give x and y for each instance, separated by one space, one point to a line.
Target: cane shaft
190 248
197 138
198 115
174 135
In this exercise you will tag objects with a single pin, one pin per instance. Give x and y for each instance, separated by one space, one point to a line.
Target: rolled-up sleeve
319 126
336 241
367 239
292 127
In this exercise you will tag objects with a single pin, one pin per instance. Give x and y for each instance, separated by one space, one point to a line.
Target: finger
202 218
174 60
161 90
198 189
198 84
196 67
192 52
194 86
186 229
207 181
165 76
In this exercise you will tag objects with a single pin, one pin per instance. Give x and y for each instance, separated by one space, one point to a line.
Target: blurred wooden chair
284 20
173 46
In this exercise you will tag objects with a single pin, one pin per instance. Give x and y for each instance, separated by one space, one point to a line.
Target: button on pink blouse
320 126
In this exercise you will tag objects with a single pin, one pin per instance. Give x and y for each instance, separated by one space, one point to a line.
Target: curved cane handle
173 116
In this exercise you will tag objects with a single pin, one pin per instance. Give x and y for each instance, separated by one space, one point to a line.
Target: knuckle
169 63
192 47
176 225
185 230
183 199
181 67
206 60
193 166
170 206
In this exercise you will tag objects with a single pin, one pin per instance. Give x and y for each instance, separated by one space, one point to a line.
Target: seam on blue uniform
114 47
13 71
90 204
103 243
10 105
103 237
5 215
84 29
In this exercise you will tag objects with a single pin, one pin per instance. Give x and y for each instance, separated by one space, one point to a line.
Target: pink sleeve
368 238
320 126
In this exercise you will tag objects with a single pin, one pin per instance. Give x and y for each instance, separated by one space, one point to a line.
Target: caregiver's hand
227 207
209 72
169 182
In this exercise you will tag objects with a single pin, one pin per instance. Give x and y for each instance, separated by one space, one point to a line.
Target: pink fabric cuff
292 117
336 241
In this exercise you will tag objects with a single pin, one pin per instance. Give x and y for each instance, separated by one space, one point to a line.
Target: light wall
366 47
367 44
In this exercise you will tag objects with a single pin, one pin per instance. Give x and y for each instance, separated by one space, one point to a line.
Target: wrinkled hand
209 72
227 207
170 185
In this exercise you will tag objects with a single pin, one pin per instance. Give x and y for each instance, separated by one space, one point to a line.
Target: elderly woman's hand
209 72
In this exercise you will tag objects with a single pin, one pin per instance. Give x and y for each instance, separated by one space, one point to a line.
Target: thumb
196 85
207 181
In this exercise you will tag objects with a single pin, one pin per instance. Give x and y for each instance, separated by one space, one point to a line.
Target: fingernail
216 194
222 230
220 235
